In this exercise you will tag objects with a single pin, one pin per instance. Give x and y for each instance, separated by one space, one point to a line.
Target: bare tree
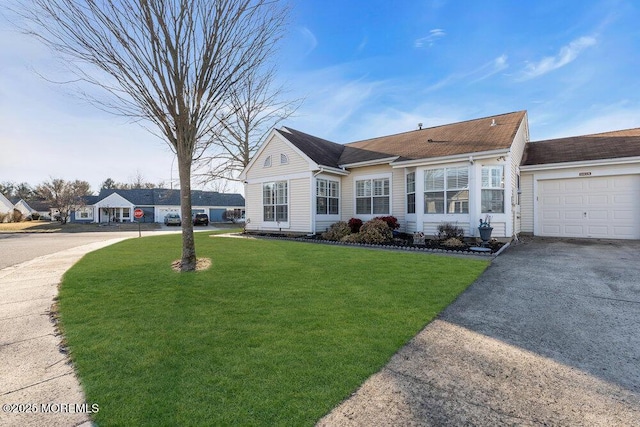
171 63
255 107
64 196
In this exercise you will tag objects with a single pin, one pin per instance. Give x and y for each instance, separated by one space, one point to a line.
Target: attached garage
591 207
583 187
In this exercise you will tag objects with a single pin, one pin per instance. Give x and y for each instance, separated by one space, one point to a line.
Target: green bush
337 231
352 238
375 231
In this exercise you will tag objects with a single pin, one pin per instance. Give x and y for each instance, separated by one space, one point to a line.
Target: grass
274 333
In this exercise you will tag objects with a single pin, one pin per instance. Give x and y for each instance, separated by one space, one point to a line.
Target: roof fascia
384 161
584 163
451 159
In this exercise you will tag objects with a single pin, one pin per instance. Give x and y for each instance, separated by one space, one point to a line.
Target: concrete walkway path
38 387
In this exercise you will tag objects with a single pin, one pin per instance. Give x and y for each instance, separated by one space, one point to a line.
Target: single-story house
34 206
115 205
458 173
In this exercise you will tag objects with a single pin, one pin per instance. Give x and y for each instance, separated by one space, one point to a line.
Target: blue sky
365 69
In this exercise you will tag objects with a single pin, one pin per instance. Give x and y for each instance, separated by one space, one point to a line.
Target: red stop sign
138 213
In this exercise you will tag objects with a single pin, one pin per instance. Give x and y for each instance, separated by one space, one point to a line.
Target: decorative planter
485 233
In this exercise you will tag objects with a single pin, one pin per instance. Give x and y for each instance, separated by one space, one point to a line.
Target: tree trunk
188 262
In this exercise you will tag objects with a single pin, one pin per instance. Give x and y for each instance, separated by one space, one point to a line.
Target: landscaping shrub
352 238
447 230
4 217
337 231
391 221
454 242
16 216
355 224
375 231
35 216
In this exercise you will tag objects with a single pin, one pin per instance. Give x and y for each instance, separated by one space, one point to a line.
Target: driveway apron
548 335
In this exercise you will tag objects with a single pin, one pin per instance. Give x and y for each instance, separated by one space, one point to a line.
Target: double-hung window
446 190
327 197
275 201
492 198
411 193
373 196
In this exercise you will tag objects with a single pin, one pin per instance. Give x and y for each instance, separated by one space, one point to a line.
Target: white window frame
328 194
372 181
267 162
410 187
447 190
493 183
276 199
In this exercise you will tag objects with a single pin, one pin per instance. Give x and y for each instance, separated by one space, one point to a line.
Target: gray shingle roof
607 145
163 196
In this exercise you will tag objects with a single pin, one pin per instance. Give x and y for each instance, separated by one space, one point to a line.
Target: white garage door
599 207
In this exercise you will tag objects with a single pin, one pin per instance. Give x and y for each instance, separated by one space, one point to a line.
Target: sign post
138 214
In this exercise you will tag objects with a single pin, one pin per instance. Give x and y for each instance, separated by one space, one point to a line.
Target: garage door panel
573 185
571 215
597 199
573 200
623 215
597 215
599 207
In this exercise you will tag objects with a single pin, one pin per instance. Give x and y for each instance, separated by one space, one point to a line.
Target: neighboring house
114 205
583 186
30 207
6 207
458 173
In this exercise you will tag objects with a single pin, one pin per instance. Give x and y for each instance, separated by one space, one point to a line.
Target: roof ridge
587 135
436 127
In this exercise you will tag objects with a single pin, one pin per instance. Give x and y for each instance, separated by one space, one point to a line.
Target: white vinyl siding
526 202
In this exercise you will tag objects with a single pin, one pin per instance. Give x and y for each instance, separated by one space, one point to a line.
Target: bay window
492 198
446 190
411 193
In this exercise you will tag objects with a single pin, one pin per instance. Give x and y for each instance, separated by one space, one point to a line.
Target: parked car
172 219
200 219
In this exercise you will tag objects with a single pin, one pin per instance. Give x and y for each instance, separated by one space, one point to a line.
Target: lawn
274 333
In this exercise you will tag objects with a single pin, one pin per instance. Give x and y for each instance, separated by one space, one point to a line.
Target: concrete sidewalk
38 387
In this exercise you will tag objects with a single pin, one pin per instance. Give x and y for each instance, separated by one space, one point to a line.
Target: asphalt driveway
549 335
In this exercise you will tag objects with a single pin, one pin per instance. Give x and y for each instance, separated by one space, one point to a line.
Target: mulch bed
401 241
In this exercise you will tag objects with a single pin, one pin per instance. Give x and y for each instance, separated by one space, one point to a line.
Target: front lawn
274 333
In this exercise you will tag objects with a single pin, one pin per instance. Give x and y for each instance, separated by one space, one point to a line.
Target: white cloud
566 55
429 40
481 73
309 39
